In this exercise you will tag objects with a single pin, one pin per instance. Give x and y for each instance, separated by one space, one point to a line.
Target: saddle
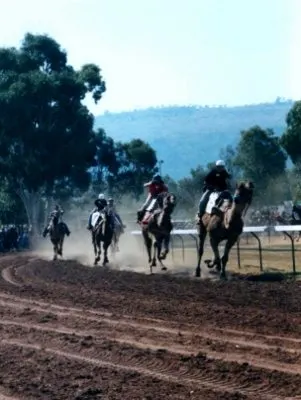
150 215
99 221
221 212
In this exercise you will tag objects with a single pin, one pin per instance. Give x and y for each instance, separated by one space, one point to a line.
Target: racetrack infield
69 331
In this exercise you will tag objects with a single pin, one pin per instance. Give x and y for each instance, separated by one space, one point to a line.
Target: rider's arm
209 179
147 199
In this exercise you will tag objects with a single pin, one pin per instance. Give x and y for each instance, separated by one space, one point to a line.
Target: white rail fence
255 231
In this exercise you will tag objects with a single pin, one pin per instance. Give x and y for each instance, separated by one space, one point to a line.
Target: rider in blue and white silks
112 208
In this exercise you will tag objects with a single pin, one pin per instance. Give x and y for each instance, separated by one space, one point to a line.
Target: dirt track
72 332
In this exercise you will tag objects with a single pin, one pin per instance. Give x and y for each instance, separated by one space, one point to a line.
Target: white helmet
220 163
101 196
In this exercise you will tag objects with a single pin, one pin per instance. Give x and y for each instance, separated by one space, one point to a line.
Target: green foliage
190 188
52 133
291 139
11 207
295 181
228 154
260 156
137 162
47 141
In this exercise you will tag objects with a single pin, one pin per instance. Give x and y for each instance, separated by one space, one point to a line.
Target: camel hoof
209 263
163 255
223 276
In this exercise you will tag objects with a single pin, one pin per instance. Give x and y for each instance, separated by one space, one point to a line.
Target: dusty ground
73 332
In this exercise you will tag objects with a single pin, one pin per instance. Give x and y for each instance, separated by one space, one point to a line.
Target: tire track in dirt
235 337
196 379
8 274
257 360
141 345
5 397
156 364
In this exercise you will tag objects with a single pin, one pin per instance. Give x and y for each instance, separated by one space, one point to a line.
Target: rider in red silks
155 187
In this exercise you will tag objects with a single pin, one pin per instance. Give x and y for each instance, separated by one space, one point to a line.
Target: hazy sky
161 52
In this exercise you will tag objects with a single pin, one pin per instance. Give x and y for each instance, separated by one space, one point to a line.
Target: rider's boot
199 217
89 226
67 230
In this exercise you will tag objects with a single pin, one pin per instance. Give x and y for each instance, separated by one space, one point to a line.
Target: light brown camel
224 223
157 231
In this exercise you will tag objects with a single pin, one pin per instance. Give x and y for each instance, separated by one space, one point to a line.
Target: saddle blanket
95 218
211 202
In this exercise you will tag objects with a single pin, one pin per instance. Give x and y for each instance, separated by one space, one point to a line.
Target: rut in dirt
188 339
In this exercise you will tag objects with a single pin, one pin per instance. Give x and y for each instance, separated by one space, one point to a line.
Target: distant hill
187 136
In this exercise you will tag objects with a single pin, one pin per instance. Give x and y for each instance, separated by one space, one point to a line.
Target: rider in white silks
217 179
100 205
112 208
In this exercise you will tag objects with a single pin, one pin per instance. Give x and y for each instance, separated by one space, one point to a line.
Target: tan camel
224 223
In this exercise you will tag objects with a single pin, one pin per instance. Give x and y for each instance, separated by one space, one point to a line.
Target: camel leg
229 244
166 242
97 250
98 253
60 248
214 246
202 238
105 253
94 244
154 258
55 252
159 242
114 243
117 236
148 244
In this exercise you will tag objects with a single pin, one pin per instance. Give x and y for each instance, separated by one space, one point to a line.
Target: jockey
100 205
155 187
112 207
216 179
57 211
296 213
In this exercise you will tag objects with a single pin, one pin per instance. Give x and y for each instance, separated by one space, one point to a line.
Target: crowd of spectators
14 237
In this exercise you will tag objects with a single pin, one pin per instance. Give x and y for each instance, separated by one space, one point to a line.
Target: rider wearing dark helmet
155 187
216 179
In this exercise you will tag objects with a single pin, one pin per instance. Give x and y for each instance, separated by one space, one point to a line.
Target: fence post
259 249
291 237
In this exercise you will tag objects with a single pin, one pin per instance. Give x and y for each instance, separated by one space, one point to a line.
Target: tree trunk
32 204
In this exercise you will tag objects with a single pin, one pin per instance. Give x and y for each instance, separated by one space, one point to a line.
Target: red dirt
73 332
